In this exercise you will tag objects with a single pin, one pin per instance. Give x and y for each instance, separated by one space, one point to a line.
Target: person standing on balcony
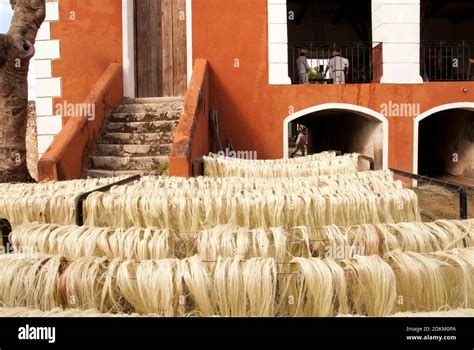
300 143
337 67
302 67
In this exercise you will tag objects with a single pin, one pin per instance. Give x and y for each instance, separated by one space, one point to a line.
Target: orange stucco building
248 47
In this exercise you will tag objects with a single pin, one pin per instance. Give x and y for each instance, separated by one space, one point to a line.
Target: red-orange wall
89 44
251 112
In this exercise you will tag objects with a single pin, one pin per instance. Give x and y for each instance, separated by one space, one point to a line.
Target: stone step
159 164
130 117
128 100
126 150
94 173
143 127
152 139
169 107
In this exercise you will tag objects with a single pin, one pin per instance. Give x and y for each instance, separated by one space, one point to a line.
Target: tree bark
16 50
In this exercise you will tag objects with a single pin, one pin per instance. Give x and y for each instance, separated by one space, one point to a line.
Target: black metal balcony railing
364 61
447 60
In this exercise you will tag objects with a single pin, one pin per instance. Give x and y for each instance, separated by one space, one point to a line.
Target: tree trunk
16 50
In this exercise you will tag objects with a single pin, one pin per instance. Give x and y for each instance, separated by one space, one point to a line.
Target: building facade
408 99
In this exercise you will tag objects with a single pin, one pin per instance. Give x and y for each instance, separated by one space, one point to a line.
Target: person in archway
337 67
302 67
301 142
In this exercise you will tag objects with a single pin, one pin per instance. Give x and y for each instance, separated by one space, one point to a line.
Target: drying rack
6 228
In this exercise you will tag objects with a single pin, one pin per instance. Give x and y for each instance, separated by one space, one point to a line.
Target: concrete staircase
137 138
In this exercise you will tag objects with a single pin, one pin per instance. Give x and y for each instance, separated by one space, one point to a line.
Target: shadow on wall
446 144
345 131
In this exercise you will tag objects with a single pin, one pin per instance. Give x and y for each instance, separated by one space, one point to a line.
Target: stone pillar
278 42
396 23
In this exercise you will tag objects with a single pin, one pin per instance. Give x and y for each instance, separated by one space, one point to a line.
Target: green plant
315 75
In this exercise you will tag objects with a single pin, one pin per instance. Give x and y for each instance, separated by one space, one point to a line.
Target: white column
396 23
189 38
128 42
48 124
277 43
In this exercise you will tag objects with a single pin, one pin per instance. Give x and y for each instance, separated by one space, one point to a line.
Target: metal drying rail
445 184
82 197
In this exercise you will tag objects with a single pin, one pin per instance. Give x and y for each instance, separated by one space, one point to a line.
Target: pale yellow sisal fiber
362 285
74 242
44 208
228 241
54 186
312 292
341 300
336 242
377 239
280 185
260 286
421 281
193 211
371 178
372 285
227 288
152 286
221 167
49 202
459 276
81 283
305 159
447 313
23 312
433 314
198 282
30 282
111 300
55 204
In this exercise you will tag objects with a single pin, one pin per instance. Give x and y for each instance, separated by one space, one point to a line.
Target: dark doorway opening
342 130
446 144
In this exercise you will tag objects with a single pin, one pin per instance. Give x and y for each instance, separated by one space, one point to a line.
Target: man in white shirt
337 68
302 67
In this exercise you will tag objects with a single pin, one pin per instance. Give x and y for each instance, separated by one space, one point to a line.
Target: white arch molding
363 111
416 130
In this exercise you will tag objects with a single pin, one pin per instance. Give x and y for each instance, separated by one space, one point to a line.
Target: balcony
447 60
364 61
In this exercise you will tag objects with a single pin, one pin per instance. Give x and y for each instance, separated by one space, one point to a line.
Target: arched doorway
345 127
444 141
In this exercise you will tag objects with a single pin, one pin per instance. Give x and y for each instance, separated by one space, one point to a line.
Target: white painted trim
189 38
47 86
416 130
47 49
277 19
340 106
52 11
128 48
